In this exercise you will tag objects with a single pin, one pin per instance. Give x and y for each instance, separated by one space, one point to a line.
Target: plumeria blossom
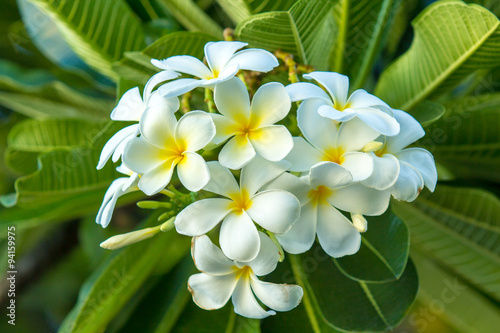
328 142
274 210
223 64
118 187
329 187
164 144
416 166
131 108
223 279
341 107
251 127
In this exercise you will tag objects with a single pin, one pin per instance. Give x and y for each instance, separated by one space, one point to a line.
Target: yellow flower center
241 201
319 195
334 155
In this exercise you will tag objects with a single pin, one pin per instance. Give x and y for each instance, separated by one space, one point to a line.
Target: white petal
170 103
355 134
329 174
184 64
301 237
208 258
178 87
290 183
385 172
409 184
225 128
226 74
193 172
222 181
259 172
201 216
211 292
156 79
158 126
267 258
357 198
336 84
272 142
130 106
303 155
141 156
328 111
232 100
321 132
279 297
254 60
361 98
423 161
219 53
379 120
120 149
237 152
194 130
360 165
336 234
158 178
270 104
304 90
245 303
109 148
275 210
239 239
112 194
411 131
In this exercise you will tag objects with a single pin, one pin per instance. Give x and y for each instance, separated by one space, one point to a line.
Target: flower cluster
268 190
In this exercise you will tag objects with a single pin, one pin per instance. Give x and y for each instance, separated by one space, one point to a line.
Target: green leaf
240 10
428 112
459 228
333 300
306 31
31 137
105 293
454 298
362 26
466 139
191 16
384 251
452 41
99 31
137 67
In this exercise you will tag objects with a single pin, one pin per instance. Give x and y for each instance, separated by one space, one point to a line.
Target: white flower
130 108
416 166
223 279
164 144
274 210
328 187
223 64
118 187
329 142
251 127
370 109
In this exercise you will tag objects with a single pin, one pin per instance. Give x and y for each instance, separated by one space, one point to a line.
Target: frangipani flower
130 108
370 109
328 187
274 210
164 144
223 64
416 165
251 127
118 187
223 279
327 142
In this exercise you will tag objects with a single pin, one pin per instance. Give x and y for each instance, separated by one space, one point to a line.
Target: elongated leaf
439 288
452 40
306 31
105 293
99 31
30 138
428 112
337 301
240 10
466 140
458 227
384 251
362 25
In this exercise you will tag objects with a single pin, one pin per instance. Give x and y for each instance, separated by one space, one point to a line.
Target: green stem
209 99
340 45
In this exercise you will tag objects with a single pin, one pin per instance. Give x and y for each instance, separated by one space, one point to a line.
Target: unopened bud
372 146
122 240
359 222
